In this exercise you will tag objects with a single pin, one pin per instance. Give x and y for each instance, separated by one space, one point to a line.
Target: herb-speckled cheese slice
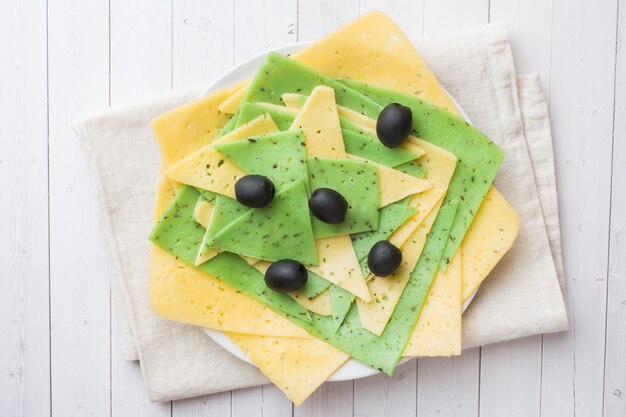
338 264
202 213
256 127
272 233
357 182
296 366
319 120
208 169
395 185
187 128
318 305
489 237
438 329
182 293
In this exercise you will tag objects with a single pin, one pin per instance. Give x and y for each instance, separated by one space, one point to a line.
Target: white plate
352 369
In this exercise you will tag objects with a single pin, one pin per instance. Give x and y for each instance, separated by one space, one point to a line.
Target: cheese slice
338 264
293 101
184 129
394 185
258 126
489 237
202 213
387 291
438 329
440 165
318 305
182 293
208 169
373 49
231 104
296 366
320 123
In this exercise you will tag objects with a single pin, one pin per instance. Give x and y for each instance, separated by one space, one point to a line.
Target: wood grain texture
78 74
615 342
24 272
62 58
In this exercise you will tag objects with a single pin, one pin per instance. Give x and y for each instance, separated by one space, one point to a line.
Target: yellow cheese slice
489 237
296 366
258 126
438 329
373 49
386 291
231 104
395 185
184 129
202 213
338 264
440 165
208 169
182 293
319 121
292 100
318 305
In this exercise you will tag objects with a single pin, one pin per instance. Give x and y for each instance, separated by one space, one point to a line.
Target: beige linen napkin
521 297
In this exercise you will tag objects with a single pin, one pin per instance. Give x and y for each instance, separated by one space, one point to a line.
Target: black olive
394 125
384 258
286 275
328 205
254 191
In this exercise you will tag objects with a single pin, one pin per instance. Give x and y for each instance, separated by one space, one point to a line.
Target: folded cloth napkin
524 295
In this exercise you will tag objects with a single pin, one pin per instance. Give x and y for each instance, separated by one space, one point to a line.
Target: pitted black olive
384 259
254 191
286 275
394 125
328 205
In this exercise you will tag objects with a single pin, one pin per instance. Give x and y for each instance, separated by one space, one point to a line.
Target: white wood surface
60 350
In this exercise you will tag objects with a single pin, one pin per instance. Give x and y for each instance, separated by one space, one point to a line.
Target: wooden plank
332 399
442 16
207 405
203 35
79 293
261 401
449 386
406 13
141 64
530 28
615 360
581 103
519 364
380 395
24 295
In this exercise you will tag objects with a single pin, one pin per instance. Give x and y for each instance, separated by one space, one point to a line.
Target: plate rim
352 368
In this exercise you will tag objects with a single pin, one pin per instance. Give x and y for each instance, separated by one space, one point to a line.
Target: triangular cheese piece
318 305
202 213
320 122
279 231
279 156
438 329
340 301
394 185
296 366
207 169
231 104
258 126
338 264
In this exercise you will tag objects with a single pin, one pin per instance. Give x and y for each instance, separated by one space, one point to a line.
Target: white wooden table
59 347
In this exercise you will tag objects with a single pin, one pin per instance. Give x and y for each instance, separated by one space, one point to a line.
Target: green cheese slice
340 303
412 168
357 182
279 231
279 156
